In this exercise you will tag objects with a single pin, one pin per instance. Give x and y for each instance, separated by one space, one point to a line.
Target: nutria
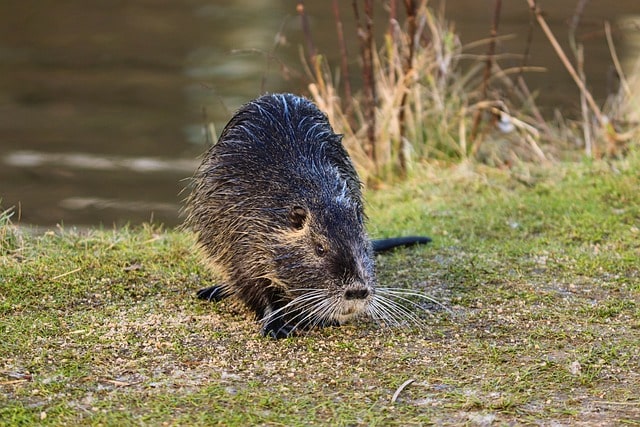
277 206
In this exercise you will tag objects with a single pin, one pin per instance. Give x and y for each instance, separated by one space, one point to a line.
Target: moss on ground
540 270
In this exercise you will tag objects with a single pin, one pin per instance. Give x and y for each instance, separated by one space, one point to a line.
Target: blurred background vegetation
107 106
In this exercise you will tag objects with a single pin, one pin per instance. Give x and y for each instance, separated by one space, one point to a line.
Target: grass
540 269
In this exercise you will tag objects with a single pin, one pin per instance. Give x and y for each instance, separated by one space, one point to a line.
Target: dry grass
429 107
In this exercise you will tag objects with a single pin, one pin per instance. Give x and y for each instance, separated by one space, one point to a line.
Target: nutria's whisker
317 314
314 316
303 305
403 294
389 310
381 314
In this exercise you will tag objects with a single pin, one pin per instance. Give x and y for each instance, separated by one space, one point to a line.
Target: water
102 103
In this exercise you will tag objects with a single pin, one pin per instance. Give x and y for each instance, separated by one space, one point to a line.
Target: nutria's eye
320 250
297 217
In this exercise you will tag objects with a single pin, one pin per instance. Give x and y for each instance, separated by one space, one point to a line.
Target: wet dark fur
277 206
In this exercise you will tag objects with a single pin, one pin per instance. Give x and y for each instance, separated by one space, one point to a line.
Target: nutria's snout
354 301
355 294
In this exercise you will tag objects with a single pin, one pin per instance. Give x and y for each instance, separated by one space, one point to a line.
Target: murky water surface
102 103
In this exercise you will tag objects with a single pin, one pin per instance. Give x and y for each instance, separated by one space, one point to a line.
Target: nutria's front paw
277 329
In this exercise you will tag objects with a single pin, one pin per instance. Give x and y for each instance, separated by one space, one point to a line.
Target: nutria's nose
356 293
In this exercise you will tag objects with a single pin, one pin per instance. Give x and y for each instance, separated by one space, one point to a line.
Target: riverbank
539 268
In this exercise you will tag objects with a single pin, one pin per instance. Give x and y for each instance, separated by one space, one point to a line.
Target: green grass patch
541 275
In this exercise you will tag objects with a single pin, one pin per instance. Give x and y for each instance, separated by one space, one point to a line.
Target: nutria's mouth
349 309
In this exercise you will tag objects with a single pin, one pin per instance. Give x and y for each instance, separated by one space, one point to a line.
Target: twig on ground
399 390
60 276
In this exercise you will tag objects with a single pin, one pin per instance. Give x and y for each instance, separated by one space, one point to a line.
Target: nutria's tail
384 245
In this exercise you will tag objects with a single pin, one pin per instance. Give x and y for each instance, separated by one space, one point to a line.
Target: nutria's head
324 262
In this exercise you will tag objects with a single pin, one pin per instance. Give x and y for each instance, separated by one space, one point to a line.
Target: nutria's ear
297 217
